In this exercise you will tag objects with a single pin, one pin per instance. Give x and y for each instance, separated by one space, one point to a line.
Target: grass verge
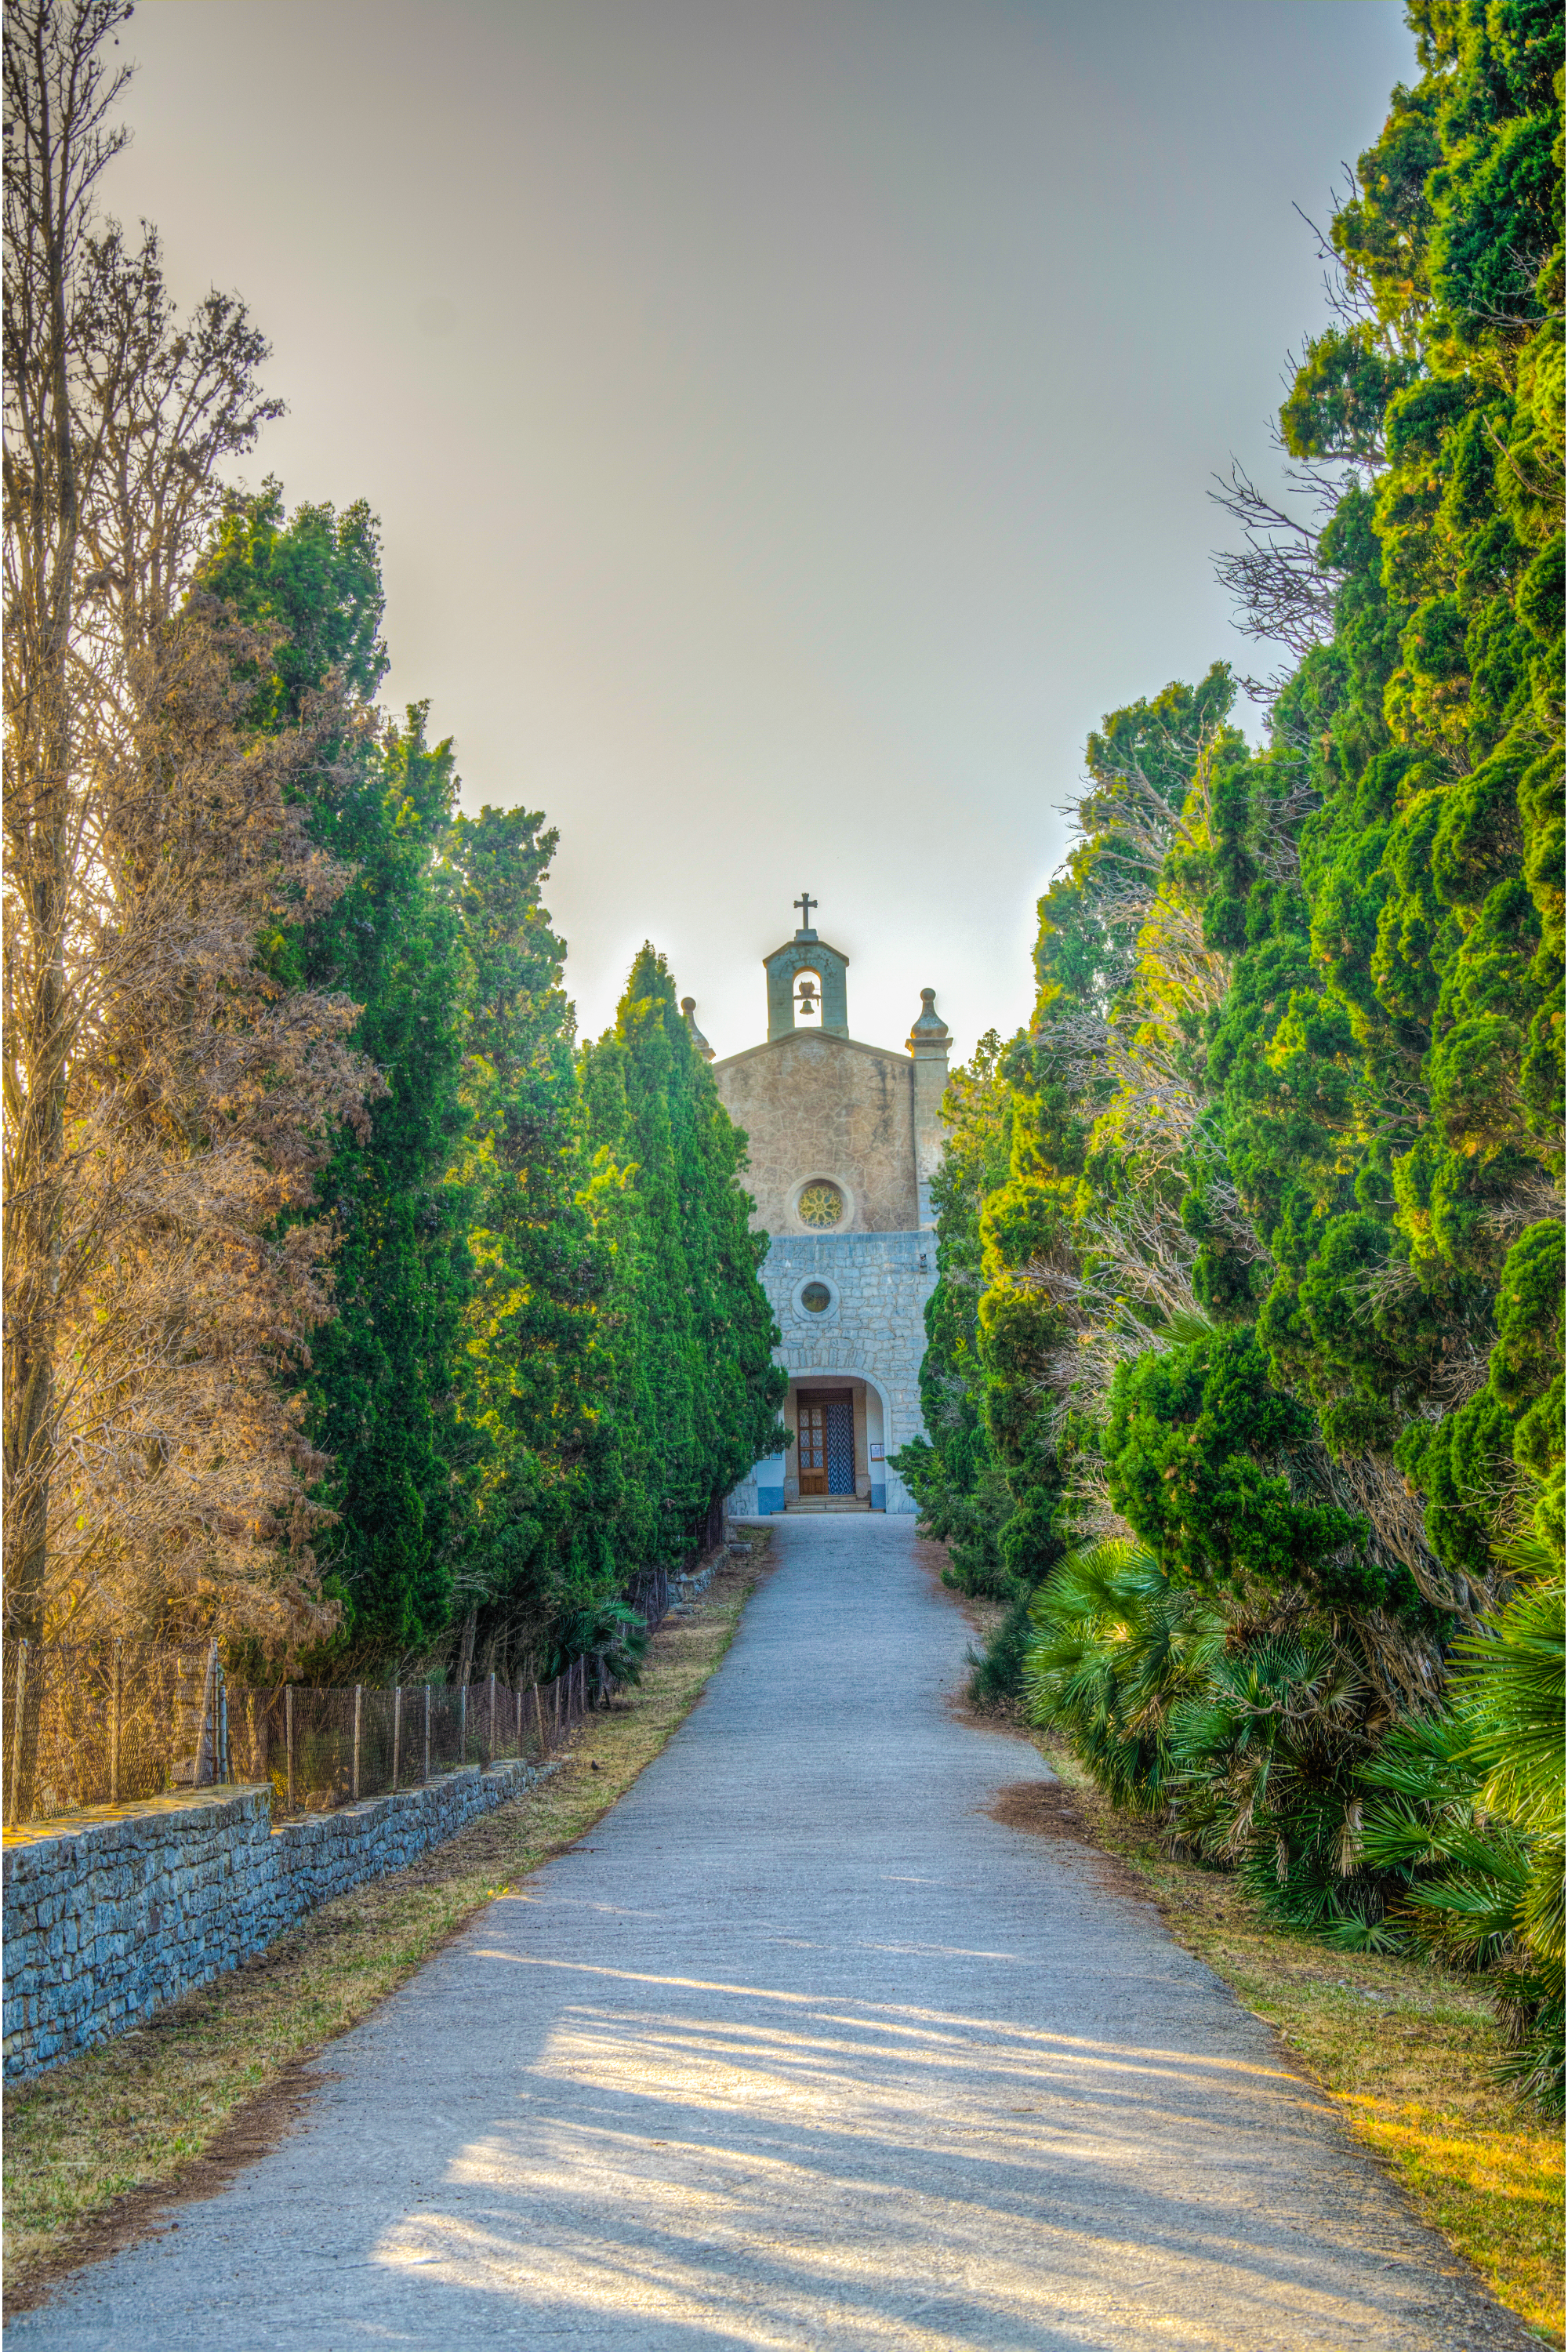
98 2151
1406 2050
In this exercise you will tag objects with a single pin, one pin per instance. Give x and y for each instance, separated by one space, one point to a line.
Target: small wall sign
875 1451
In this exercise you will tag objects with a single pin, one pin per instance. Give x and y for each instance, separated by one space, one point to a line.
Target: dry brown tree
167 1101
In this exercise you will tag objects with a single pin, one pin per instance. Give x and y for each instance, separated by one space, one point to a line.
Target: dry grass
1406 2050
98 2150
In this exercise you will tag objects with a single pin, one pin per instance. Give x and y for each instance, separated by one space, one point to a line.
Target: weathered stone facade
814 1106
109 1917
861 1125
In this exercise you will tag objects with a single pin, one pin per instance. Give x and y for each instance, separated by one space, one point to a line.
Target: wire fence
105 1723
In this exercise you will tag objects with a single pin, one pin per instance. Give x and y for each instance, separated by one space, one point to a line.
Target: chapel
844 1140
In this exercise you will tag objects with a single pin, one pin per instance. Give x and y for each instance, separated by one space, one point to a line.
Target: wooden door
811 1445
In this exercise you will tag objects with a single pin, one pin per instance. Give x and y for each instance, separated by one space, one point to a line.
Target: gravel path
801 2047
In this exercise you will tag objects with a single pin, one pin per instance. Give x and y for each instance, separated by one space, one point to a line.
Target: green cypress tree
537 1442
953 1473
696 1391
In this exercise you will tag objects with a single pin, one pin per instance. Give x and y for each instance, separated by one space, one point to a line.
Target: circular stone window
820 1204
813 1304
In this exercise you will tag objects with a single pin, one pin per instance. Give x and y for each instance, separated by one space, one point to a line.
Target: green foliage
954 1474
1116 1646
1190 1432
692 1389
541 1479
609 1637
1244 1727
996 1680
1271 1284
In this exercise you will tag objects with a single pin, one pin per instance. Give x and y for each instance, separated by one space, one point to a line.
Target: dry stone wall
109 1918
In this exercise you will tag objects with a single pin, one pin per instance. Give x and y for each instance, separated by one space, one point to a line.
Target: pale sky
790 420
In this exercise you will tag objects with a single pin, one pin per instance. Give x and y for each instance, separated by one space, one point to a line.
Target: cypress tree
696 1391
537 1443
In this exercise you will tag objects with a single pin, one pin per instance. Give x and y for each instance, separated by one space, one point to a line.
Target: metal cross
806 902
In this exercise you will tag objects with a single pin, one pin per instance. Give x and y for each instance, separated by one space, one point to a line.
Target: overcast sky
790 422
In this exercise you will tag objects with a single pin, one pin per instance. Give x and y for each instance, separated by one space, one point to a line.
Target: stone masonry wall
109 1917
875 1329
814 1106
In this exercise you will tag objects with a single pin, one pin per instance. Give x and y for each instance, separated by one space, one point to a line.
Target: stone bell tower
808 984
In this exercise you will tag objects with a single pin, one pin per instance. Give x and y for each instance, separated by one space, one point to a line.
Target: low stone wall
114 1913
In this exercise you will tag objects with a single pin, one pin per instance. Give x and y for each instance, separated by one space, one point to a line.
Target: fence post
223 1727
426 1731
209 1720
21 1706
288 1737
358 1711
463 1727
491 1758
114 1723
396 1733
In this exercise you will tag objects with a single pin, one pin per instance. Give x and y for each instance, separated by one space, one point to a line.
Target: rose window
821 1204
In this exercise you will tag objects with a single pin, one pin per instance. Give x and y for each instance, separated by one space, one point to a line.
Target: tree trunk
38 793
465 1648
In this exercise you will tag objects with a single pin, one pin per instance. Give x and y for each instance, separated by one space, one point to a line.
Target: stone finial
930 1033
928 1048
689 1007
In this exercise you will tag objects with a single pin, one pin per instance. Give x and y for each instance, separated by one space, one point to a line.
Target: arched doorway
774 1484
839 1459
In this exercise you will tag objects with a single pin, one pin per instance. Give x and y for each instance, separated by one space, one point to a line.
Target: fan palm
1471 1804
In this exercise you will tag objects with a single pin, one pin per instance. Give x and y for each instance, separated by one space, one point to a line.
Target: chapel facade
843 1141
